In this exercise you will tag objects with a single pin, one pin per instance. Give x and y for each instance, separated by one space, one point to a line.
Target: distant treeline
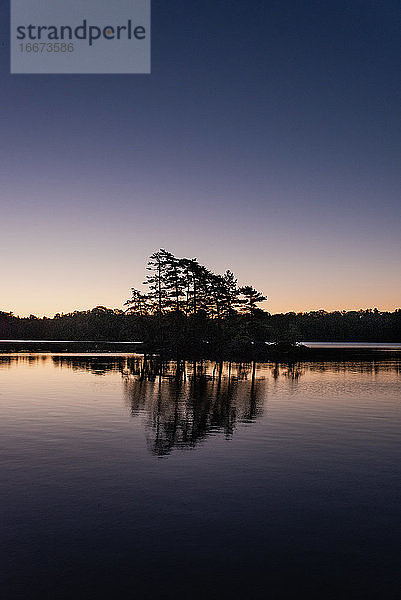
102 323
186 307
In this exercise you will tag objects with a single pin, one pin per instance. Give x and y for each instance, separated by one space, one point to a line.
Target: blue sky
266 140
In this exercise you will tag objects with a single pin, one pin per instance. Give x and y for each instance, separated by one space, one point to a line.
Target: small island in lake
183 309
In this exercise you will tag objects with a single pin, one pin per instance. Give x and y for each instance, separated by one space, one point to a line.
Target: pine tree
138 303
251 299
156 282
174 281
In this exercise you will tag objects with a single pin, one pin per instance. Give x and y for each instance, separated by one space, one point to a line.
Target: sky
266 140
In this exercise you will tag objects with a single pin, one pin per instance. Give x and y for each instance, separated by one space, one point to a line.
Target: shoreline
258 352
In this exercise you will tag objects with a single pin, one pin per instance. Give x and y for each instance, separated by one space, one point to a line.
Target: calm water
355 345
119 479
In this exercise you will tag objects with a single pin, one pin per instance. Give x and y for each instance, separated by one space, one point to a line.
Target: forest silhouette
185 309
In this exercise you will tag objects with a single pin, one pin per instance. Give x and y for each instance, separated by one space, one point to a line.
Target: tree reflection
184 403
96 364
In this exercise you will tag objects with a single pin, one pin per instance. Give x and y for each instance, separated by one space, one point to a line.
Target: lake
125 478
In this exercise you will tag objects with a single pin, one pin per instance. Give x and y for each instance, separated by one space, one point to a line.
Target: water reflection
183 403
151 368
309 483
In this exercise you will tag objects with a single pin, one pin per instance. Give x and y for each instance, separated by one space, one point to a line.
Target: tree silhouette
251 299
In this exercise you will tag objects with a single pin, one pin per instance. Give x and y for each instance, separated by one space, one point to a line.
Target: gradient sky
266 140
